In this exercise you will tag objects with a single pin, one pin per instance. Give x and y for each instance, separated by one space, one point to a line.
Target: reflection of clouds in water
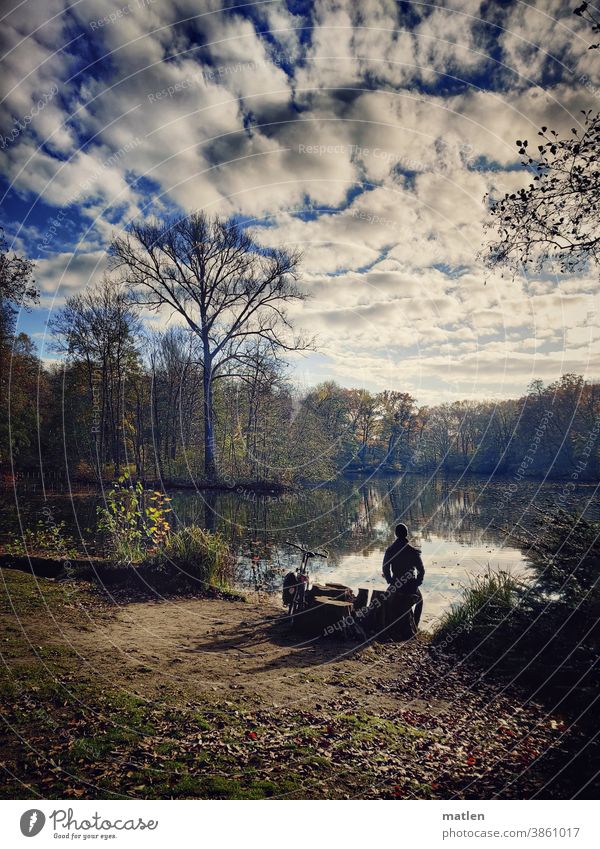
460 524
448 565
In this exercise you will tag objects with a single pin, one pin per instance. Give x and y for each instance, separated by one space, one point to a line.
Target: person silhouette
403 568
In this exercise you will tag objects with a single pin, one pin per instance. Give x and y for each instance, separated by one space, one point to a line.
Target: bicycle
295 583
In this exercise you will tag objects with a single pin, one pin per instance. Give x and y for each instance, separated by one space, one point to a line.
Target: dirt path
205 647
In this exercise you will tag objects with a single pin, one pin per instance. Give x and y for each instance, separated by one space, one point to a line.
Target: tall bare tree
230 291
98 328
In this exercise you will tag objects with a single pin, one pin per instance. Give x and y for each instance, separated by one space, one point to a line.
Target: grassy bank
542 635
135 548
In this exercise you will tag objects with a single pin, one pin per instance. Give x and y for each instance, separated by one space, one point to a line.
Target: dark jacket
402 564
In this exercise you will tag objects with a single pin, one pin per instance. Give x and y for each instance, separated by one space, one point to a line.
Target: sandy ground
206 647
408 721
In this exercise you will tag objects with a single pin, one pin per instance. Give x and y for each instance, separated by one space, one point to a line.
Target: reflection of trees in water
358 516
352 516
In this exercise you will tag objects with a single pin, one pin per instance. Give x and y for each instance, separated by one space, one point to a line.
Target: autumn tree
363 409
18 362
98 329
398 419
17 286
230 292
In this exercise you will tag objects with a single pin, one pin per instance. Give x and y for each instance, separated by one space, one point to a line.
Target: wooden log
377 616
334 591
362 599
323 613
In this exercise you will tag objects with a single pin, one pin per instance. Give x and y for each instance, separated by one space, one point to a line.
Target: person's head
401 531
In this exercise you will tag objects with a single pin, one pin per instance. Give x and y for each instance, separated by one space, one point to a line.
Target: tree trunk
156 431
210 465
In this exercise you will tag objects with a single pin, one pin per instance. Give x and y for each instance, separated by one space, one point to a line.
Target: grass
22 594
80 743
202 555
486 604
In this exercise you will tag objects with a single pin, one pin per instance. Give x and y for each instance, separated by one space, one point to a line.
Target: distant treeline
124 399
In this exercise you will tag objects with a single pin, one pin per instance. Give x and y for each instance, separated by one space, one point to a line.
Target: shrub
192 557
84 471
49 539
134 520
565 553
543 633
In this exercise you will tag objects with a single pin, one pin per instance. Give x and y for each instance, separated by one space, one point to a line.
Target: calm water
462 527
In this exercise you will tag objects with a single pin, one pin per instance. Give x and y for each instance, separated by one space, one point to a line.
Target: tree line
126 399
208 398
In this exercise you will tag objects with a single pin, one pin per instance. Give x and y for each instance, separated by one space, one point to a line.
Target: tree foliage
553 221
17 286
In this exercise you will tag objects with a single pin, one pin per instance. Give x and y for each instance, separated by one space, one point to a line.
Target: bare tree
174 392
230 291
98 328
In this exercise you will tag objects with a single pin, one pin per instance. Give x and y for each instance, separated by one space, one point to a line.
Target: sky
367 134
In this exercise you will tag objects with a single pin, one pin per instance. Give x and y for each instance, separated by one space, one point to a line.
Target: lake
462 526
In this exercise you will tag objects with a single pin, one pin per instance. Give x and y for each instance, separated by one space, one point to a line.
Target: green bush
134 521
192 557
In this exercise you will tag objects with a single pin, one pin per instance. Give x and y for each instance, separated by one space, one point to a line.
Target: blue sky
365 134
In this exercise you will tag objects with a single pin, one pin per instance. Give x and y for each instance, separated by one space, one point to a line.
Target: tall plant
135 520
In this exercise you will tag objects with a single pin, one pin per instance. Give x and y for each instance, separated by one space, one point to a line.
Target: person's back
402 566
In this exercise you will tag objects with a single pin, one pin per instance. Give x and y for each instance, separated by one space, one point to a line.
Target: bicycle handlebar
307 551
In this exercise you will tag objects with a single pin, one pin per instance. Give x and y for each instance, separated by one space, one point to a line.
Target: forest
125 399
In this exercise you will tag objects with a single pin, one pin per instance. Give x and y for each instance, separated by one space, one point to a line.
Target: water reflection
462 526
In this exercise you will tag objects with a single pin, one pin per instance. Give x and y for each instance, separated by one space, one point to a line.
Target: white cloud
217 116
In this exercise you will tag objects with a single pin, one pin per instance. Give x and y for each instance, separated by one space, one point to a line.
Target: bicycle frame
298 602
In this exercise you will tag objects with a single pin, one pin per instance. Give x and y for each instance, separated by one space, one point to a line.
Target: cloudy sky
367 133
